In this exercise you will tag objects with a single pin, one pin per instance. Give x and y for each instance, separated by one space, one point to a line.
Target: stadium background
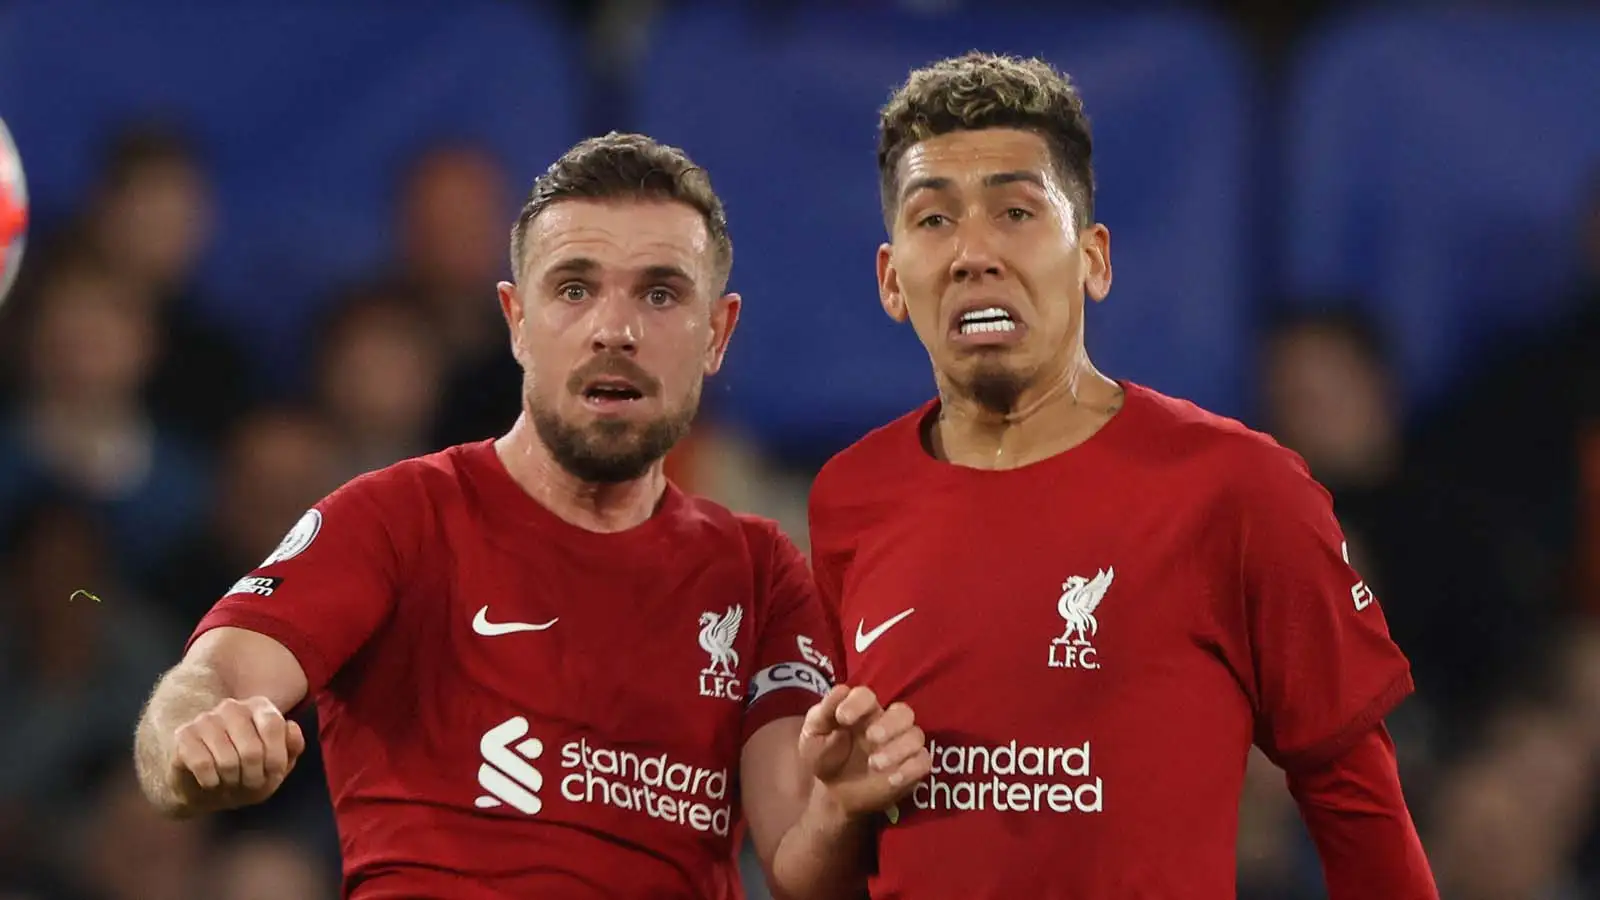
265 245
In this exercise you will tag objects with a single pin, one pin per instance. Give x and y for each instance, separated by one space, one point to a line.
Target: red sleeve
1325 668
324 590
1356 813
795 651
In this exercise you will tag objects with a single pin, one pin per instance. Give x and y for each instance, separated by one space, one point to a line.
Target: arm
1356 813
808 846
213 734
223 664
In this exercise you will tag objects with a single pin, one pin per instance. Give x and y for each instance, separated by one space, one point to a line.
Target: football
13 211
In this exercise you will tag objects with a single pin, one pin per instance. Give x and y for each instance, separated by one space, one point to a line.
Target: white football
13 211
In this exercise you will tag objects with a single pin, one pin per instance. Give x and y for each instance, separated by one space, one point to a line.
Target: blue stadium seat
783 114
1438 165
310 111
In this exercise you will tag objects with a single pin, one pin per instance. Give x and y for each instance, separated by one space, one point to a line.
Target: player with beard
540 669
1096 597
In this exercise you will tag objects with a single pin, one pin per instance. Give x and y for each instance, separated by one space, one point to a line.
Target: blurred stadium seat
307 110
1450 255
782 111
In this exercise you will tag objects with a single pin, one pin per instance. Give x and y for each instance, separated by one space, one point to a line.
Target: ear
724 318
894 302
515 312
1095 242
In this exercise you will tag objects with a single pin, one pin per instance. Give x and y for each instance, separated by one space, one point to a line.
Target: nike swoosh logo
482 625
863 641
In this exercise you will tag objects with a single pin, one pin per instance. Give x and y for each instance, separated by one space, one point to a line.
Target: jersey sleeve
828 564
1325 667
325 590
795 651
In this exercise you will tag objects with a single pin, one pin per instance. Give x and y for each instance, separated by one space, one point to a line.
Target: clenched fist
866 756
236 754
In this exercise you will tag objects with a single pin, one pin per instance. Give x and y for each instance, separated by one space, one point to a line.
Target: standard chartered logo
507 774
1010 778
652 785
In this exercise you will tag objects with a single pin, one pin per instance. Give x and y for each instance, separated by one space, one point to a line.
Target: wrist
827 814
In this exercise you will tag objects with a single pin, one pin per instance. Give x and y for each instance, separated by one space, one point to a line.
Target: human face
983 230
616 322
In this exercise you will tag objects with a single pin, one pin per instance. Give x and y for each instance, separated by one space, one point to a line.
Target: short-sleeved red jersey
512 706
1093 643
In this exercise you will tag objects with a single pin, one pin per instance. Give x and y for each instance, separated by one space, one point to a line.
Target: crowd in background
144 459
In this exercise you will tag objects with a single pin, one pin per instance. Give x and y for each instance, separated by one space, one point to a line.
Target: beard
995 387
611 451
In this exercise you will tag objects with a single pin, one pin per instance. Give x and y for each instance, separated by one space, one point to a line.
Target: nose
617 327
976 256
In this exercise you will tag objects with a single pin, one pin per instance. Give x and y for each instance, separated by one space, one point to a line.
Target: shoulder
878 459
405 499
1233 453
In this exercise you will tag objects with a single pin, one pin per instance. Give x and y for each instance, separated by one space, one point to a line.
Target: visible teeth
987 327
979 315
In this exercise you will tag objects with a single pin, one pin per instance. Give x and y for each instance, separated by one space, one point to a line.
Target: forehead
962 155
619 234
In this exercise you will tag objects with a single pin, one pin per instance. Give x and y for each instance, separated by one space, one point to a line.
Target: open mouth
991 320
611 391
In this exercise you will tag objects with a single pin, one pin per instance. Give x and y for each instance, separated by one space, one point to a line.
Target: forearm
1356 813
823 855
189 689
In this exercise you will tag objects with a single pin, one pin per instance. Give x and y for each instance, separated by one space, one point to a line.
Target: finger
860 705
192 756
241 725
296 741
913 769
821 718
889 756
896 720
211 731
274 741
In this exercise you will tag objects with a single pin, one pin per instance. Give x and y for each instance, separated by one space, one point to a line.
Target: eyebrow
666 273
576 266
998 179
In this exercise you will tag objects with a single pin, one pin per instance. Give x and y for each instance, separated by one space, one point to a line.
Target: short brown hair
985 90
626 166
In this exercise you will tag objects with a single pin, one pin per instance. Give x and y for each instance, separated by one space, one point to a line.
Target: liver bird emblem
1079 598
717 634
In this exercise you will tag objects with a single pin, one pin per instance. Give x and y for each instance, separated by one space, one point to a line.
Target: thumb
297 741
822 719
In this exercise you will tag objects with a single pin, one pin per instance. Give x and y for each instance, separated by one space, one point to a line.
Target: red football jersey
512 706
1093 643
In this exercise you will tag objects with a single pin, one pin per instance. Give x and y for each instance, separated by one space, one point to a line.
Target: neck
595 507
1049 419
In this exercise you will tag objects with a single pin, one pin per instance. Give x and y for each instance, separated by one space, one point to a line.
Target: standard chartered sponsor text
1010 778
653 785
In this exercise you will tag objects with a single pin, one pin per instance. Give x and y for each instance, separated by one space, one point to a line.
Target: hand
865 756
235 755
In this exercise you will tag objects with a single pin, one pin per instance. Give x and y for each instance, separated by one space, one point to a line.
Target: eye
660 296
1018 214
932 221
573 292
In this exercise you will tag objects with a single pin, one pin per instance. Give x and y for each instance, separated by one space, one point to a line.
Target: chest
647 651
1105 609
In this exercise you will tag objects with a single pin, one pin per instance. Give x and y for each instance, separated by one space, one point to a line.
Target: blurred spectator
74 671
1510 820
263 866
1454 595
1273 844
81 423
150 219
125 850
377 382
1526 425
277 463
455 217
